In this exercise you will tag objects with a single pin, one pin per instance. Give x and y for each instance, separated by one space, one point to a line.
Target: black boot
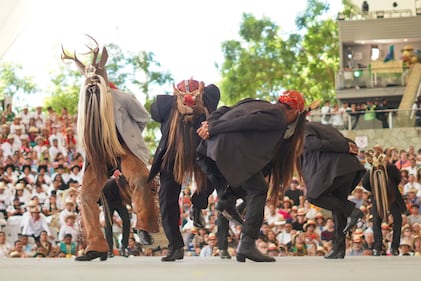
377 253
172 255
197 217
353 219
247 250
335 254
145 237
223 254
124 252
91 255
229 211
394 251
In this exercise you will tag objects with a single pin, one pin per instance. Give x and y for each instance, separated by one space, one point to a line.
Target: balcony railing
363 120
366 78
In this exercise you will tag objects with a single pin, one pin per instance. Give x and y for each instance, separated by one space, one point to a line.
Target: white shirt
34 227
4 250
72 229
411 185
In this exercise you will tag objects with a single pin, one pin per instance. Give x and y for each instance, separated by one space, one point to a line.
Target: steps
408 99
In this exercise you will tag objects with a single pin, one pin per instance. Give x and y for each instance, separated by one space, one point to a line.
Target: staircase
409 96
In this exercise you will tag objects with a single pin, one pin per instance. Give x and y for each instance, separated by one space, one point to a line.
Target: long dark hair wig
286 160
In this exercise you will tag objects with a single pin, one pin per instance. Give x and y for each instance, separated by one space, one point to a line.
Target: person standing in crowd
416 111
325 111
244 141
383 180
331 171
382 114
180 116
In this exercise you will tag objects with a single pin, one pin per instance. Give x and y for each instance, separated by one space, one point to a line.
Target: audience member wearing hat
383 180
331 171
259 139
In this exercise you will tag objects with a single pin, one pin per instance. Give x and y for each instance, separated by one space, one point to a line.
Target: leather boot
248 250
91 255
197 217
353 219
223 254
124 252
145 237
336 254
172 255
229 211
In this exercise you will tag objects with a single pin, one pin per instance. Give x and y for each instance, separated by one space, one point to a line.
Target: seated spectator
412 184
286 207
405 248
294 193
285 237
134 248
357 196
320 221
44 245
28 245
416 246
51 207
69 209
327 234
4 246
407 233
273 250
17 251
75 174
67 246
69 227
299 247
40 193
357 248
415 216
34 224
5 199
211 248
301 220
403 161
15 212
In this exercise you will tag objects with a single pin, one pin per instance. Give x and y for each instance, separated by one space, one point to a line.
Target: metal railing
364 78
367 119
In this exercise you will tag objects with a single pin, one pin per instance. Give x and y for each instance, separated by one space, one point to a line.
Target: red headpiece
293 99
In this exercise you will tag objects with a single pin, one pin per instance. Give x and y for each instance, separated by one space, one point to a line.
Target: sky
184 35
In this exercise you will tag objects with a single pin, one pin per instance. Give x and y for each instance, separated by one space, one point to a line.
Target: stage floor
212 269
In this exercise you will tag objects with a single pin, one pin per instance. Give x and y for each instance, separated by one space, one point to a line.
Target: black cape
326 156
243 138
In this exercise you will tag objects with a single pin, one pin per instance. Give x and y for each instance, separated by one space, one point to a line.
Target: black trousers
200 200
122 211
222 234
335 199
335 196
377 222
256 189
169 193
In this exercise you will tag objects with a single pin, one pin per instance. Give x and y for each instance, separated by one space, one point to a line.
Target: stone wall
400 138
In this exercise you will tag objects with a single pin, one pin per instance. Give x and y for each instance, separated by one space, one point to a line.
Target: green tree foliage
262 64
12 84
65 90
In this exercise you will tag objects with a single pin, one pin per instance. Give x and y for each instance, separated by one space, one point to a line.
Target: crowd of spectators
374 113
40 170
